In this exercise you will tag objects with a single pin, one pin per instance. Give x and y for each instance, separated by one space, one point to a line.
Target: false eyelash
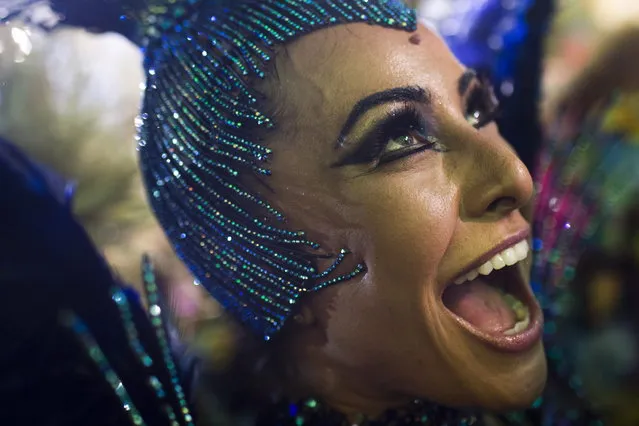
400 122
483 93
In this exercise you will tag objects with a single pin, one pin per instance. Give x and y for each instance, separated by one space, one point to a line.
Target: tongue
481 305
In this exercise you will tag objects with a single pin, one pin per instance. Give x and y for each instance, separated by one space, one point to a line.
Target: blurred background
579 28
70 99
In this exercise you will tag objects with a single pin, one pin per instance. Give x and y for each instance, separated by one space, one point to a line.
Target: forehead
325 73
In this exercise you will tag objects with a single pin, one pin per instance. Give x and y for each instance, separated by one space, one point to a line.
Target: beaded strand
201 134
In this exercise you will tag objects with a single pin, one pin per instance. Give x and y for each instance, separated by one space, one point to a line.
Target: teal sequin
157 320
79 328
201 134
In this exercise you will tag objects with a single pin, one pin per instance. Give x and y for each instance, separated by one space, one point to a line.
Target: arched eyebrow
394 95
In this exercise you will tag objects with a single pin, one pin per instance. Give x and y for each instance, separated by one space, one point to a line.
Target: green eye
401 143
406 145
474 118
482 106
403 133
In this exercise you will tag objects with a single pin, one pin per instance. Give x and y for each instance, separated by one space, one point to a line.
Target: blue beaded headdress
200 136
201 131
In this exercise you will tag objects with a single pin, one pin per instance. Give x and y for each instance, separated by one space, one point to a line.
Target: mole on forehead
415 39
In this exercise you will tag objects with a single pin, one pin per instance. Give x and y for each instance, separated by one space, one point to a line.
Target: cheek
401 226
366 331
409 221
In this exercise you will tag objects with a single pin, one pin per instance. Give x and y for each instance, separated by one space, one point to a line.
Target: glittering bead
201 132
155 313
75 324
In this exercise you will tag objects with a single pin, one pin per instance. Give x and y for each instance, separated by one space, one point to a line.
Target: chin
487 379
515 389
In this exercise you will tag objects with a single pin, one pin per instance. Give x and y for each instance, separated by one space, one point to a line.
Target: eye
413 140
402 133
482 106
406 133
400 142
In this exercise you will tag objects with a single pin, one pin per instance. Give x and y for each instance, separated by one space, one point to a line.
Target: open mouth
493 302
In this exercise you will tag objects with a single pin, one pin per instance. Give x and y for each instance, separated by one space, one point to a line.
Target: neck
309 373
324 394
355 406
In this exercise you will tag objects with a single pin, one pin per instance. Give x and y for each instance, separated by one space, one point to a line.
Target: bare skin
385 337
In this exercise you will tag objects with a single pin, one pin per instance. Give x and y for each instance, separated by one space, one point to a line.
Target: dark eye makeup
406 130
481 106
403 132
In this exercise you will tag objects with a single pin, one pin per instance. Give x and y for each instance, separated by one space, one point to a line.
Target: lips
491 300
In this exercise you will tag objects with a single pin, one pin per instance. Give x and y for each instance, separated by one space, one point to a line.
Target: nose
496 183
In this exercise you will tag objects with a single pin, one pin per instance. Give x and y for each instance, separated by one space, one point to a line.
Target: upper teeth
508 257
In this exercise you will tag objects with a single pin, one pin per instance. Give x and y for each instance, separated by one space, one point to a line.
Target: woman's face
380 148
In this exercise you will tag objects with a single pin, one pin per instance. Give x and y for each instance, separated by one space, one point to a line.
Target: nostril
502 205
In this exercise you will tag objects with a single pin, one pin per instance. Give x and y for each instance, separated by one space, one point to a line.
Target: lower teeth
522 314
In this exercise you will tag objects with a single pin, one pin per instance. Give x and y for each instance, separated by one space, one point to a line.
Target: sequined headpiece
200 135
